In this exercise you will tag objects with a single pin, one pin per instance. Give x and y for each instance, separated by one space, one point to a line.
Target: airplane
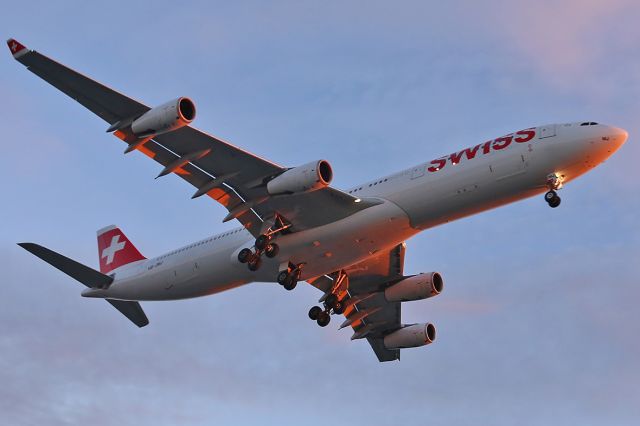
349 244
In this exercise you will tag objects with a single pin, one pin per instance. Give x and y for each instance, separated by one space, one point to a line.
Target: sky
538 322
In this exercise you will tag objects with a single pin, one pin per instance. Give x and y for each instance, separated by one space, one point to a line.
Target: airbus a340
349 244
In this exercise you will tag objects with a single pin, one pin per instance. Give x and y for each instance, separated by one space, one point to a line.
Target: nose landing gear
554 182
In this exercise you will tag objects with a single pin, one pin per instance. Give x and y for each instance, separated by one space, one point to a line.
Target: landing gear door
546 131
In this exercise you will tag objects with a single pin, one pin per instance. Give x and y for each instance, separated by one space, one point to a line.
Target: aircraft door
417 172
546 131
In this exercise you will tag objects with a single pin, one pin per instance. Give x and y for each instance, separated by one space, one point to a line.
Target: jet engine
306 178
410 336
165 118
418 287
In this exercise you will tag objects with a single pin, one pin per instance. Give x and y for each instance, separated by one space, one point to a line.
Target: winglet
17 48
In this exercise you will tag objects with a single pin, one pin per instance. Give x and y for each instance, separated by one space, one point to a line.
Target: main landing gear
254 259
263 245
331 305
289 277
554 182
334 303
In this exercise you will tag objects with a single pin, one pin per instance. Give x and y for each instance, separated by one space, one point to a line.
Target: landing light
357 200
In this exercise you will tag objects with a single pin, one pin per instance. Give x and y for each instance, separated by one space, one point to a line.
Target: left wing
231 176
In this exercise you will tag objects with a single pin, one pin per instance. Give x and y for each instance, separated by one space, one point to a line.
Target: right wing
231 176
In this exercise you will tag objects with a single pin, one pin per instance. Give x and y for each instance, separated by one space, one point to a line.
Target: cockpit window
589 123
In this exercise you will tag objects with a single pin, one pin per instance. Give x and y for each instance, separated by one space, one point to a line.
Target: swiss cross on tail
115 249
17 49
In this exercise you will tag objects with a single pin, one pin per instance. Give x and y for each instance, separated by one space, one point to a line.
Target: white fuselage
486 176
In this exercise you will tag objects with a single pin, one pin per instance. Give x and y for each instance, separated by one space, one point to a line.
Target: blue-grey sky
538 324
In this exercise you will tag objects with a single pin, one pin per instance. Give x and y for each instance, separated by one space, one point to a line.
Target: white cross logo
14 46
110 251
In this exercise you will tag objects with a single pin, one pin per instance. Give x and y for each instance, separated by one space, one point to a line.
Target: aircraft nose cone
618 136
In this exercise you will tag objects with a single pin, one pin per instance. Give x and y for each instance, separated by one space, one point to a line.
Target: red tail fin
115 249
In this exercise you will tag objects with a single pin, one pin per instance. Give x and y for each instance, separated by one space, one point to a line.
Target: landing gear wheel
323 319
314 312
254 263
338 308
552 199
262 241
282 277
244 255
290 283
271 250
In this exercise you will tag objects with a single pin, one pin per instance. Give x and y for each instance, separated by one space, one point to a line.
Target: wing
367 311
231 176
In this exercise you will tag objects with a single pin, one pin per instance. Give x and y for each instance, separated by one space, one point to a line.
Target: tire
282 277
244 255
262 241
290 284
549 196
271 250
314 312
323 319
338 308
555 202
254 264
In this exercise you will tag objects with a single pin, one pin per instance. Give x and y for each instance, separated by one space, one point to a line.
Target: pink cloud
562 40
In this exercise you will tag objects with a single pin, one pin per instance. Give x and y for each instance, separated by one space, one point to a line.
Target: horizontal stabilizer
131 310
77 271
89 277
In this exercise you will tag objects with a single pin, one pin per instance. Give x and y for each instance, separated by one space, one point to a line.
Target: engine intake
306 178
418 287
165 118
411 336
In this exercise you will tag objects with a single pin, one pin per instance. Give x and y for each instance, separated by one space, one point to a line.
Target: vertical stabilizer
115 249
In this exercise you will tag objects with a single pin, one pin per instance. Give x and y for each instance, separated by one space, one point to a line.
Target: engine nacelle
306 178
418 287
411 336
165 118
